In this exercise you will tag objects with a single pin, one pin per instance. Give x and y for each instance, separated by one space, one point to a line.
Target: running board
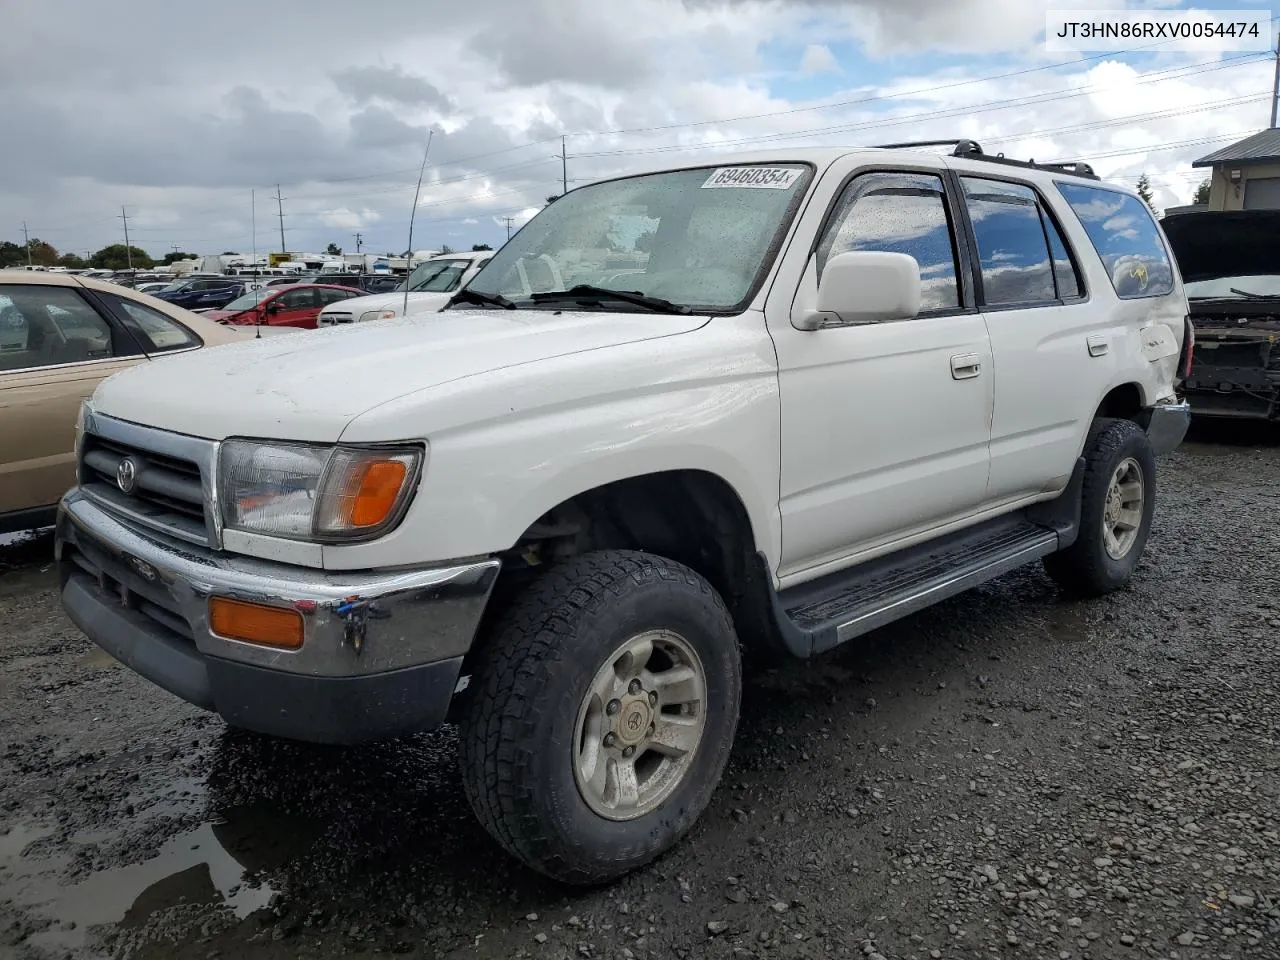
824 613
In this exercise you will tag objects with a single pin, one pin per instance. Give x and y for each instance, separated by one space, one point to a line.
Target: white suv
768 404
431 284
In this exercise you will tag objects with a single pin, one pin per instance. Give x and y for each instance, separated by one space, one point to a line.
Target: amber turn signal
255 623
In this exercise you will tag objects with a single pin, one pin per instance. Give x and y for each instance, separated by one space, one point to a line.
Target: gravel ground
1006 775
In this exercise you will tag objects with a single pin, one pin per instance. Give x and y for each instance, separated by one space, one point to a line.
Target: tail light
1188 347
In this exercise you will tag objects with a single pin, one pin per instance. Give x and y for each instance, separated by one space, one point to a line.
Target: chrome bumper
1167 424
403 633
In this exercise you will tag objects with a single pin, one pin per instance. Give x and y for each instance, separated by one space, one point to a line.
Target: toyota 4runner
762 405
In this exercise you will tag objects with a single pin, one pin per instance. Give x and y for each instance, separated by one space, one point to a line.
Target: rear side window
1125 235
1064 269
157 332
1012 247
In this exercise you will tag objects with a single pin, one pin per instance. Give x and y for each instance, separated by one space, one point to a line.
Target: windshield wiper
1251 296
585 293
467 295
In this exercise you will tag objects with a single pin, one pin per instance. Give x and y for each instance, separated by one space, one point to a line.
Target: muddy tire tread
496 742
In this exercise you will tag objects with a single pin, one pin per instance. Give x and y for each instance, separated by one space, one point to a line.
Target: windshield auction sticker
756 178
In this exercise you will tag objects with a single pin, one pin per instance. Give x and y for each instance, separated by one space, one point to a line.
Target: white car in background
431 285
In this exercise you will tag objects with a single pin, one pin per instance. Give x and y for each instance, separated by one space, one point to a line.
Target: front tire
1118 498
601 716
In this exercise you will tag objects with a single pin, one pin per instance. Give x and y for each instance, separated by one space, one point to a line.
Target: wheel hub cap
1123 509
639 725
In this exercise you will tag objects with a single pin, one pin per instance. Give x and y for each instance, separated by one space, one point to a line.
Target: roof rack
972 150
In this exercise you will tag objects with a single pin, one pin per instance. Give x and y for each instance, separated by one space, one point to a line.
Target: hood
1235 243
310 385
418 303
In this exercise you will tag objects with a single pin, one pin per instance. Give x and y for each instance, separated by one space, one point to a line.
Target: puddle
212 866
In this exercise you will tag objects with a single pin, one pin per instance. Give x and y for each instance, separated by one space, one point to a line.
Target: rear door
55 347
1051 344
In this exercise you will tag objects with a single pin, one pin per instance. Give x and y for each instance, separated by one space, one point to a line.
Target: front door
885 427
295 308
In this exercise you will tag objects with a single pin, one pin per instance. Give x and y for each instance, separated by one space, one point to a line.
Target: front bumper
1167 424
380 658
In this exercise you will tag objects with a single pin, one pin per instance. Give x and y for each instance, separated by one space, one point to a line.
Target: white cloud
818 58
181 132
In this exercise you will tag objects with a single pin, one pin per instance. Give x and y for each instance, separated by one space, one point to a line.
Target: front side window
898 213
157 331
1125 235
48 326
1013 250
699 239
296 299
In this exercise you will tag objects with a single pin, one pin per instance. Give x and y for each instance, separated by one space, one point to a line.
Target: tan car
59 337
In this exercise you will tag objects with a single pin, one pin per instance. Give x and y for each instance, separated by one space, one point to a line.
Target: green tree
12 254
115 257
1144 189
72 262
230 253
173 256
333 250
476 247
552 199
1202 192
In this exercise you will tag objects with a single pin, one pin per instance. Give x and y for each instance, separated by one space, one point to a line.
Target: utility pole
26 242
1275 87
508 221
359 241
128 252
280 211
564 167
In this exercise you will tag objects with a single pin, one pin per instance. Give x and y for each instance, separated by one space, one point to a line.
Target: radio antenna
413 213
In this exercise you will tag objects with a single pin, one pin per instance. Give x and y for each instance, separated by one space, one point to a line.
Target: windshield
435 276
1220 288
249 300
697 238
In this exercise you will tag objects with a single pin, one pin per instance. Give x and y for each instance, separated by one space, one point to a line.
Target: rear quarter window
1126 238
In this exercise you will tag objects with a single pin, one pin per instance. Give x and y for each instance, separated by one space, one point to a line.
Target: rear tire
601 715
1118 499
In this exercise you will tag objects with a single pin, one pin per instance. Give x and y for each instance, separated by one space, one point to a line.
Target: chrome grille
329 319
169 486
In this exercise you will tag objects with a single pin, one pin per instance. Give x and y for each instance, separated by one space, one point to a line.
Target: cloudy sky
181 111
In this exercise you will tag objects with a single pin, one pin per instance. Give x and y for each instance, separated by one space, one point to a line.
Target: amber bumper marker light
255 623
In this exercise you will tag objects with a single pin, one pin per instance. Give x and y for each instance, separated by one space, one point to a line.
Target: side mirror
865 286
273 306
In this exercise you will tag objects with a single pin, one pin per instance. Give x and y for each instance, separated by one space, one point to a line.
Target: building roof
1260 148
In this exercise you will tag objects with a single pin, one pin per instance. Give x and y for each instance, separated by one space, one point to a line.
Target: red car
296 305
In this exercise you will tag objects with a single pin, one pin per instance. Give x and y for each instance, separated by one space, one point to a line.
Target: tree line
111 257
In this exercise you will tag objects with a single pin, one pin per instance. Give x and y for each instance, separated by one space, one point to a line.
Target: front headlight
306 492
377 315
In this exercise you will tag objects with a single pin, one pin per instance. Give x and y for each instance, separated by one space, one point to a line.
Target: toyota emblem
127 475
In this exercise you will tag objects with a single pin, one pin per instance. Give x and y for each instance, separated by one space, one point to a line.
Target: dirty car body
1230 263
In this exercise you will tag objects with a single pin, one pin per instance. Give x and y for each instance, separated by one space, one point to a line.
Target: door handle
966 366
1098 345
